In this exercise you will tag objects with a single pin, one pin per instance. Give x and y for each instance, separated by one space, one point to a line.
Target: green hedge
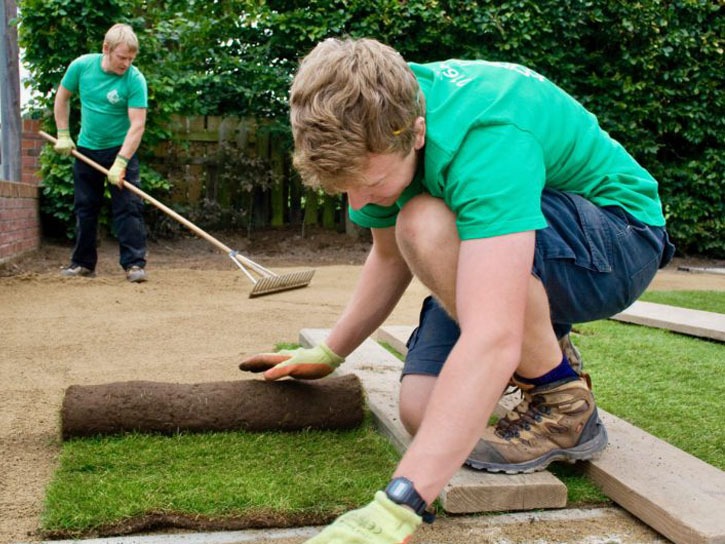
651 70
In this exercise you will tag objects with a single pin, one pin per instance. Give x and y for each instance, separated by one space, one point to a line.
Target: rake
264 281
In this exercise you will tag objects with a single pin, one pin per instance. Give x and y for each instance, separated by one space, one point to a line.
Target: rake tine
269 282
285 282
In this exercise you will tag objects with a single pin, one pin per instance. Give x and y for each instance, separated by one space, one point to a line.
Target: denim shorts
593 261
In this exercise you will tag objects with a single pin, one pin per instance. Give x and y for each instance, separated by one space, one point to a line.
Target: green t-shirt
105 99
497 134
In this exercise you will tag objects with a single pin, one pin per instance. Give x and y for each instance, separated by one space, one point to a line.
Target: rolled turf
249 405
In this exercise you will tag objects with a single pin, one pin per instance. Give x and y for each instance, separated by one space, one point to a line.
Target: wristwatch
401 491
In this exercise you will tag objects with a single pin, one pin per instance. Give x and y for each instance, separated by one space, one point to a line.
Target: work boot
573 354
76 270
553 422
135 274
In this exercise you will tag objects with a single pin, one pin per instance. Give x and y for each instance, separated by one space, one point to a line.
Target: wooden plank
683 320
469 491
672 491
396 336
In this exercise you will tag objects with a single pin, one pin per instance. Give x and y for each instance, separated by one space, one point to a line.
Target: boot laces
529 412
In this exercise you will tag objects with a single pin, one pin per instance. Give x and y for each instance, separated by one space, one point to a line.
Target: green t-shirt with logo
105 99
497 135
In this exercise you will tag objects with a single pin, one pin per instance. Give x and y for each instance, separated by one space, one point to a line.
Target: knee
424 221
86 204
415 391
411 418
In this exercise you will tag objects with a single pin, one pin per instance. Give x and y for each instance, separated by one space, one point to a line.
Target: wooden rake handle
188 224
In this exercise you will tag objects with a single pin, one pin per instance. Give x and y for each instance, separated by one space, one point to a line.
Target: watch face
399 488
402 491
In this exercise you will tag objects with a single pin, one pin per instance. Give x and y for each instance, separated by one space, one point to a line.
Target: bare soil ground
193 322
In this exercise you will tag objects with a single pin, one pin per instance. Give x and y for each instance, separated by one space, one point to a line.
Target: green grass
314 474
710 301
667 384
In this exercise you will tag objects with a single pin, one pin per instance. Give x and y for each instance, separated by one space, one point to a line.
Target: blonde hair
348 99
121 34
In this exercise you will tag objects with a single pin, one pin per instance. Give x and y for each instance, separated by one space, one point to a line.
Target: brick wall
19 213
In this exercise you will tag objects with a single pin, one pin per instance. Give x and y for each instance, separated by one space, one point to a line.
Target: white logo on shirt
455 76
523 70
113 97
458 77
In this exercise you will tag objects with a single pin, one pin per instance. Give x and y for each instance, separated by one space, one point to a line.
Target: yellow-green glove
300 363
64 144
118 171
380 522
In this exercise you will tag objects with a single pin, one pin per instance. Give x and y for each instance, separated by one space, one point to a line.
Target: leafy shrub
652 71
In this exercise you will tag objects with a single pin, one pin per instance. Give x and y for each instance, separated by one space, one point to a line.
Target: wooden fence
234 172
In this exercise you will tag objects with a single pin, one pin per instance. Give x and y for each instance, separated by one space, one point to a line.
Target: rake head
284 282
264 281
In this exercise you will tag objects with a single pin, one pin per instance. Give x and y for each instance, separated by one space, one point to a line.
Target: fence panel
241 174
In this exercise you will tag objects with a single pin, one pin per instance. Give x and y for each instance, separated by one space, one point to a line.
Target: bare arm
383 280
61 108
491 287
137 116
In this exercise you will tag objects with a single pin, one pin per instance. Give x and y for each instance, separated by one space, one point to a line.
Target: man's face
119 59
387 174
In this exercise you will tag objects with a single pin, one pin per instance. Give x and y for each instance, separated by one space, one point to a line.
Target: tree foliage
651 70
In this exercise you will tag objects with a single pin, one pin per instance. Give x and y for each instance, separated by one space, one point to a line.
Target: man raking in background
114 98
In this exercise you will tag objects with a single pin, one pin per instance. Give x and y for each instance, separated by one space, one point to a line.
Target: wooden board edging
683 320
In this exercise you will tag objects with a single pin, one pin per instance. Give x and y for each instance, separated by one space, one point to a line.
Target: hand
64 144
118 171
300 363
380 522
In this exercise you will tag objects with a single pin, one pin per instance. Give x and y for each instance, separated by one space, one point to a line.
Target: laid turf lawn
667 384
709 301
312 475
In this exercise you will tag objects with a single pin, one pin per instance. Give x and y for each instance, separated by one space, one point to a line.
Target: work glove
118 171
300 363
380 522
64 144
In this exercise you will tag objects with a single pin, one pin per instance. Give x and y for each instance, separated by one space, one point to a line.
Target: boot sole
591 449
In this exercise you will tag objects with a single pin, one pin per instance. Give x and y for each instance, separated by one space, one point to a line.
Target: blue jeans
593 262
126 209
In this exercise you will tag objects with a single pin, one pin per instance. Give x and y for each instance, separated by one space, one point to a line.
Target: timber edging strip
683 320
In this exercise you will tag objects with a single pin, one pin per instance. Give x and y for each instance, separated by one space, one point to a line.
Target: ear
106 48
419 128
